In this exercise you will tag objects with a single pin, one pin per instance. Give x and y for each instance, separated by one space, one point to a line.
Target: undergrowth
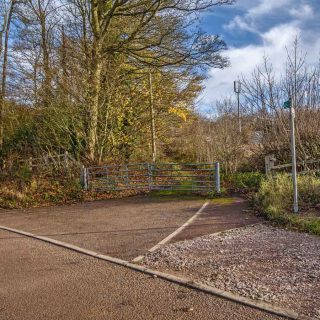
274 200
242 181
39 191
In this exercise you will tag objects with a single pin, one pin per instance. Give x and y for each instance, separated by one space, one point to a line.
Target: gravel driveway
259 262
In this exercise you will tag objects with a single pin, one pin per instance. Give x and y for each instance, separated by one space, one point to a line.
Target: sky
253 29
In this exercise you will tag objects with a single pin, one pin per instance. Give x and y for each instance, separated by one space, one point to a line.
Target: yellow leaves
181 113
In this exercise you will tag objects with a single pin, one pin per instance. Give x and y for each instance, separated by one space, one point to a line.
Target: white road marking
172 235
169 277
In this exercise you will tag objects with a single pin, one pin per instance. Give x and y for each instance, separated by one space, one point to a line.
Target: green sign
287 104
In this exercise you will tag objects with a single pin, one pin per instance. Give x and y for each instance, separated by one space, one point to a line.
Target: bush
278 191
275 196
24 174
39 191
244 181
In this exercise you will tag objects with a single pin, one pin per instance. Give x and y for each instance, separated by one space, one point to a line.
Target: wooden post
127 176
269 163
107 173
66 159
149 166
30 163
84 178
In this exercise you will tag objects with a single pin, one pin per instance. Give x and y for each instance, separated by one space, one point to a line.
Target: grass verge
38 192
41 191
274 200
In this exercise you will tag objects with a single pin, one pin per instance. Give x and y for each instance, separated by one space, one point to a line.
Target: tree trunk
47 93
94 108
95 83
152 120
4 73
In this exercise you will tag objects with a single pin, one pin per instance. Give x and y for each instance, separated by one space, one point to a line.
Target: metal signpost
237 90
288 105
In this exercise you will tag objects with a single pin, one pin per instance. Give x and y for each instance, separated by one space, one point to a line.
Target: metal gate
200 177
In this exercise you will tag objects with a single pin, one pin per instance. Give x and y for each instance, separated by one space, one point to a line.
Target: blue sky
253 29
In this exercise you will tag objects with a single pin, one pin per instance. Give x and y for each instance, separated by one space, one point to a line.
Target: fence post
150 176
30 163
84 178
149 184
66 159
217 177
127 176
107 173
269 161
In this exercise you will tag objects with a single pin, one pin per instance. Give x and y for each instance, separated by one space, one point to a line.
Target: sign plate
287 104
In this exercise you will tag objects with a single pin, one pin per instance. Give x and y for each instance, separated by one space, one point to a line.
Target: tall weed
275 198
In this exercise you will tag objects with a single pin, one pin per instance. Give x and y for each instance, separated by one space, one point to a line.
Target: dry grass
274 199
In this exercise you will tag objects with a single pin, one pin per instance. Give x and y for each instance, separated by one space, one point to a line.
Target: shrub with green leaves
275 199
39 191
244 180
278 191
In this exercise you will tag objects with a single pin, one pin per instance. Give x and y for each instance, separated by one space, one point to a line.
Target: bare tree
7 12
265 93
40 19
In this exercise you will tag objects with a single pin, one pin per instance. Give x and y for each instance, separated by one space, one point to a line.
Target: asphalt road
42 281
217 217
126 228
122 228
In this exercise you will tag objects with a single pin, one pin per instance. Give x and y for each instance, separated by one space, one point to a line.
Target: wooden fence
48 161
307 166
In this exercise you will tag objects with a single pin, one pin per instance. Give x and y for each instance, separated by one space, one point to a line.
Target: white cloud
278 37
302 12
274 41
240 23
245 59
266 7
247 22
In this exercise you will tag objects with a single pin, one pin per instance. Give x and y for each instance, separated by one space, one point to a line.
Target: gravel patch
259 262
39 281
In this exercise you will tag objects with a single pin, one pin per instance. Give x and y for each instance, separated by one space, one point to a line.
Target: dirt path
44 282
